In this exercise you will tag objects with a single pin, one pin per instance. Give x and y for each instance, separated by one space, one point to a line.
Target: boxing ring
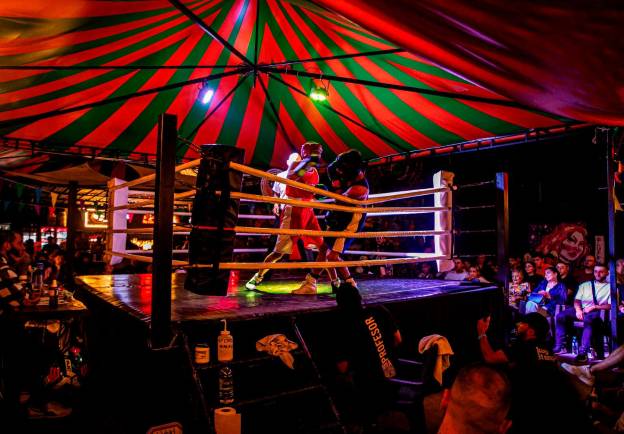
134 295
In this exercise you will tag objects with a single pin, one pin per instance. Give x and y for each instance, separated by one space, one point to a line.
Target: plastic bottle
53 292
225 344
574 346
226 385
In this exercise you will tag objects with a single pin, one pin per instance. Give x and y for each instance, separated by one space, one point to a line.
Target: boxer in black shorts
348 178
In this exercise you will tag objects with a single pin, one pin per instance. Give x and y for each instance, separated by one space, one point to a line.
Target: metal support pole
502 226
72 227
604 136
163 231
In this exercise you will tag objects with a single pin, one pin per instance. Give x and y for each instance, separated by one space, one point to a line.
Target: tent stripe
422 105
281 147
63 10
125 115
67 87
191 113
382 113
43 128
298 46
108 47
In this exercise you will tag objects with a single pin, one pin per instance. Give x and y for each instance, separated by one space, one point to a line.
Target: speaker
213 218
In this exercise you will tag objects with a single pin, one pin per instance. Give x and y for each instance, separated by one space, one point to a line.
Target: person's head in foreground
532 326
478 402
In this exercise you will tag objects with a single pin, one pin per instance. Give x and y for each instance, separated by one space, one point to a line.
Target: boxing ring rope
360 206
290 265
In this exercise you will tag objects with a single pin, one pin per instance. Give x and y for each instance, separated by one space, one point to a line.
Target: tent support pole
72 227
605 137
163 231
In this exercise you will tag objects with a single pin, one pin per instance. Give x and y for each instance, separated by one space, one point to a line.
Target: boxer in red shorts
293 217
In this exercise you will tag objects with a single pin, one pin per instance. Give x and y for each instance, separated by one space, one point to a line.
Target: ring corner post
163 231
214 217
502 226
117 220
443 220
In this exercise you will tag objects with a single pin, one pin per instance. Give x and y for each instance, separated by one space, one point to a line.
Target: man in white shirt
458 272
592 297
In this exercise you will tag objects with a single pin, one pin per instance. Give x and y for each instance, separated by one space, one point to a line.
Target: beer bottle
53 292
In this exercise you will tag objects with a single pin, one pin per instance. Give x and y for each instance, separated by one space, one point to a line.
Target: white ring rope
424 257
247 230
152 177
300 185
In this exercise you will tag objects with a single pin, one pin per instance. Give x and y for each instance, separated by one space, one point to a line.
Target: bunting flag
382 100
38 209
19 189
37 195
53 198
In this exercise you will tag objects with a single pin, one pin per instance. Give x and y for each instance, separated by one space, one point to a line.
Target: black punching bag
213 218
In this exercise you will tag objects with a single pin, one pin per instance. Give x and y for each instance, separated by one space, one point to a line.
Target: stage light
206 94
319 93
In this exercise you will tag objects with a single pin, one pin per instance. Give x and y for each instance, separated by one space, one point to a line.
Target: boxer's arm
358 192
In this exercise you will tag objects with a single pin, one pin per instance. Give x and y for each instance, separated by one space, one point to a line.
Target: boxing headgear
346 166
311 149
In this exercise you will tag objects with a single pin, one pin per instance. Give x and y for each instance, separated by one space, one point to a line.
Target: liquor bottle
226 385
53 292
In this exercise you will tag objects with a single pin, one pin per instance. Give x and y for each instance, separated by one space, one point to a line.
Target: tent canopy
98 73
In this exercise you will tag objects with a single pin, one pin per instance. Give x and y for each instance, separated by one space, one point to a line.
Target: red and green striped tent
98 74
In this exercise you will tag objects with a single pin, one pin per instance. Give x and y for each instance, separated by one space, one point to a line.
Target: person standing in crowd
19 258
531 275
592 297
477 403
365 343
586 272
552 291
458 272
50 247
347 176
293 217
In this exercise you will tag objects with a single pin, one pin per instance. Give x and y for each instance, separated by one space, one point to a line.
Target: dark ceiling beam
111 67
275 113
33 118
342 115
337 57
209 30
257 26
289 71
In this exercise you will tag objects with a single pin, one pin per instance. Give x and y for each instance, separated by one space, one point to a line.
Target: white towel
444 353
